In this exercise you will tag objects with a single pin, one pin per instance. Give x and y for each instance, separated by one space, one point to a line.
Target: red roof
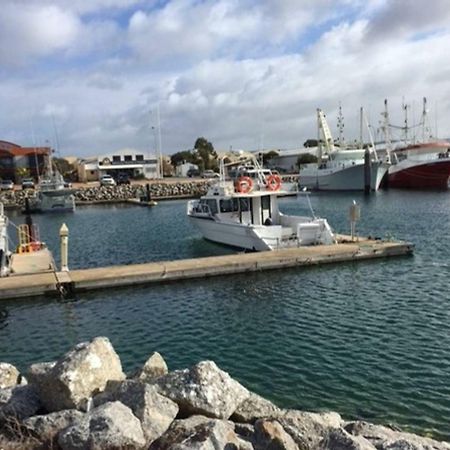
17 150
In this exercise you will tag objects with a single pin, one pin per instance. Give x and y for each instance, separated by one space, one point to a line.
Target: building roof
16 150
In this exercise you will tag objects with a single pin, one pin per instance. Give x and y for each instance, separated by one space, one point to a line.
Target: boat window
244 204
265 202
228 205
212 206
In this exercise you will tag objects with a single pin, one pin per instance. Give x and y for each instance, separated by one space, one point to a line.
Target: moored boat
244 213
339 168
417 165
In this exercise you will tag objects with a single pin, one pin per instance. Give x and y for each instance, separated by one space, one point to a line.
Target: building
182 169
18 162
133 163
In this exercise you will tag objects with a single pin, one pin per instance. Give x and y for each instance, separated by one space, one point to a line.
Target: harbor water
370 340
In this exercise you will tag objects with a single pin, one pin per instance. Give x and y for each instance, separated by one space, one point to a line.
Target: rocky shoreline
85 401
118 194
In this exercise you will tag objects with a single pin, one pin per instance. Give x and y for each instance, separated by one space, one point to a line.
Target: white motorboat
341 169
243 212
5 254
52 194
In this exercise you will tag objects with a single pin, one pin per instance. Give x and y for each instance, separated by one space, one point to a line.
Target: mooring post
367 171
354 215
64 240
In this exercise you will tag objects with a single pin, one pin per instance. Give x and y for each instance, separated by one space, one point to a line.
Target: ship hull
432 175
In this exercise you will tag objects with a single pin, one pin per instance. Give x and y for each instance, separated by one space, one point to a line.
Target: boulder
200 433
155 411
154 368
110 426
339 439
9 376
384 438
46 427
308 429
254 407
19 402
77 376
204 389
269 434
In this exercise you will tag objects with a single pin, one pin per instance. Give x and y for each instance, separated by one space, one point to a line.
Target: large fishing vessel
417 163
243 212
339 168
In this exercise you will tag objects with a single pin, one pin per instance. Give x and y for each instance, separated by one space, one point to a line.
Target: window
139 157
244 204
128 158
116 158
265 202
228 205
212 206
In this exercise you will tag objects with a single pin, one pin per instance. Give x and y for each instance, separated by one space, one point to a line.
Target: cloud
30 31
239 73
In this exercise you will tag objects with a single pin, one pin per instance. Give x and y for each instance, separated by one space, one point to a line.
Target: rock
77 376
269 434
9 376
254 407
154 368
339 439
200 433
204 389
110 426
155 411
308 429
46 427
384 438
19 402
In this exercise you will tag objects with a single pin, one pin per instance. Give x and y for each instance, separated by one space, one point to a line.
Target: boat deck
53 283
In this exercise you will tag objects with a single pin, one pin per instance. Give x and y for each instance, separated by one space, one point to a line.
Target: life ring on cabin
273 182
244 185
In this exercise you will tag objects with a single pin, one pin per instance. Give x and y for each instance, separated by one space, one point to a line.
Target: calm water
369 339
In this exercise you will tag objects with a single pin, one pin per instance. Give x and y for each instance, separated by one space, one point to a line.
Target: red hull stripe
430 176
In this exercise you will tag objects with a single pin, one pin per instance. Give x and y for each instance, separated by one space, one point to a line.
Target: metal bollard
64 240
354 216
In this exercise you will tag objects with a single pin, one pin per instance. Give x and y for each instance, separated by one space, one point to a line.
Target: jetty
55 283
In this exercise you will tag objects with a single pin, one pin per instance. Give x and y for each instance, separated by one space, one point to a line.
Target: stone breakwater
85 401
126 192
110 194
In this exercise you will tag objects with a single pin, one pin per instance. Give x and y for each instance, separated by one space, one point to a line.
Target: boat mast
361 113
386 130
426 130
159 142
405 128
340 124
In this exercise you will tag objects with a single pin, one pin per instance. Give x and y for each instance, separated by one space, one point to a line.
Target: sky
88 77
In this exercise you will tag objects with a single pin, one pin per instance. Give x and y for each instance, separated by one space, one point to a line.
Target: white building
286 161
134 163
182 169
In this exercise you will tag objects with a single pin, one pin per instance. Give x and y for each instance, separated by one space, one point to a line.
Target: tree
63 166
306 158
207 156
22 172
185 155
266 157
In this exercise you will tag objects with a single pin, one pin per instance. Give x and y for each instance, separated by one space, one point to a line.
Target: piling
367 171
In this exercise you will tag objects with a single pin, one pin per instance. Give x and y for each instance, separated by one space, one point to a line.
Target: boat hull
349 178
428 175
234 235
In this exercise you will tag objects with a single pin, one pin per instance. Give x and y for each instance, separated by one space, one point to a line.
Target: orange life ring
244 185
273 182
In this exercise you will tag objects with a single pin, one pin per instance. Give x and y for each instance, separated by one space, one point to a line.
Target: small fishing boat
52 194
242 211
